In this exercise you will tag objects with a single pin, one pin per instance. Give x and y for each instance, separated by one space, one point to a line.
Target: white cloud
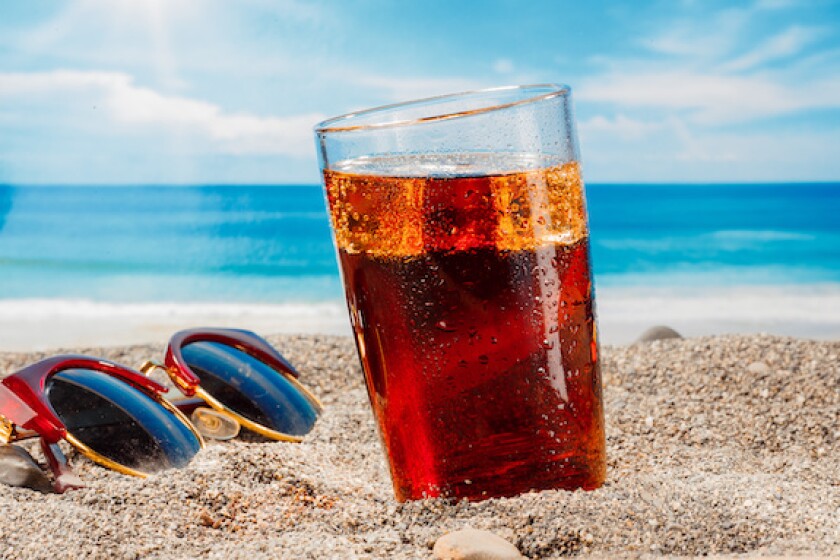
406 88
676 151
782 45
714 36
620 126
295 11
720 75
719 72
503 66
719 35
670 139
133 106
774 4
711 98
670 116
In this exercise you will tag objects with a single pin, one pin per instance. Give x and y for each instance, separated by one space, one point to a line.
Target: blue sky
210 91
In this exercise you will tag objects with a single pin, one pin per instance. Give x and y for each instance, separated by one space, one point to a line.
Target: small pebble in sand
473 544
659 332
758 368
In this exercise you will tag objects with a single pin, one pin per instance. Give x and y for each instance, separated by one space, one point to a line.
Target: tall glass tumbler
461 232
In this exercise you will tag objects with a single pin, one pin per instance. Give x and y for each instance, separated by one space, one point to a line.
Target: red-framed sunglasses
117 416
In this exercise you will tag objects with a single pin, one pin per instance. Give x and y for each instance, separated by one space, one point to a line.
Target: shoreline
807 311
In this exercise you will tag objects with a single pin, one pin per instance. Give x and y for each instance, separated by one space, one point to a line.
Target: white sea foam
801 310
31 324
715 241
761 235
40 309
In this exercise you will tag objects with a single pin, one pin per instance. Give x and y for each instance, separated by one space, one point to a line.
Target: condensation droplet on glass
444 326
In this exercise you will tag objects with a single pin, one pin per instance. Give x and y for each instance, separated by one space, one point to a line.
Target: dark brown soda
476 330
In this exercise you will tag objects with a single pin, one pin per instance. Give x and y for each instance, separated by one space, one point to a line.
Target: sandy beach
717 446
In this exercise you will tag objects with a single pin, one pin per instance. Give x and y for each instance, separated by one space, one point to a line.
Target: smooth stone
659 332
18 468
758 368
474 544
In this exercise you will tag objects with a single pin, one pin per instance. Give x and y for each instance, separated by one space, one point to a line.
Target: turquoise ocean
273 244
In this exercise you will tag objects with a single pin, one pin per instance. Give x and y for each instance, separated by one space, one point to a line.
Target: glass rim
333 124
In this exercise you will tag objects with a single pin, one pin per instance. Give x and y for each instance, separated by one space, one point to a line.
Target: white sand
708 455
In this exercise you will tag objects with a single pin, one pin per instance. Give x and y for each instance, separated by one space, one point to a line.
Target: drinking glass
461 231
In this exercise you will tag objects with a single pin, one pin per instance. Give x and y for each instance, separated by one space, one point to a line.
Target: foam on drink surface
401 206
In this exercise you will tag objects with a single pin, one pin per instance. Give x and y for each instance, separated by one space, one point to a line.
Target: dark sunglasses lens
120 422
250 387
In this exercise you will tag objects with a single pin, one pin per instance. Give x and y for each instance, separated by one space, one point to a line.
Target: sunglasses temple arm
63 476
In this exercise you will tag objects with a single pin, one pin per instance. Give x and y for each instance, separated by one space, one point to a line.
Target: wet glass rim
332 125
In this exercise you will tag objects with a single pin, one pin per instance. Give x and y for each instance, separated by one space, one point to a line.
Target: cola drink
471 301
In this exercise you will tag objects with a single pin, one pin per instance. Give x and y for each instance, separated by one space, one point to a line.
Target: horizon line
289 184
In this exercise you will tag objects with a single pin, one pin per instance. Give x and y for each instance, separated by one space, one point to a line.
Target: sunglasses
118 418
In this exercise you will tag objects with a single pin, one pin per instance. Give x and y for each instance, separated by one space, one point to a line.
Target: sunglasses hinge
150 365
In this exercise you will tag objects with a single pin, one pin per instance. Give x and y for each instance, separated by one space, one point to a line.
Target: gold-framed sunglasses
118 417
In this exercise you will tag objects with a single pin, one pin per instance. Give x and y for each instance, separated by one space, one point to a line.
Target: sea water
244 245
